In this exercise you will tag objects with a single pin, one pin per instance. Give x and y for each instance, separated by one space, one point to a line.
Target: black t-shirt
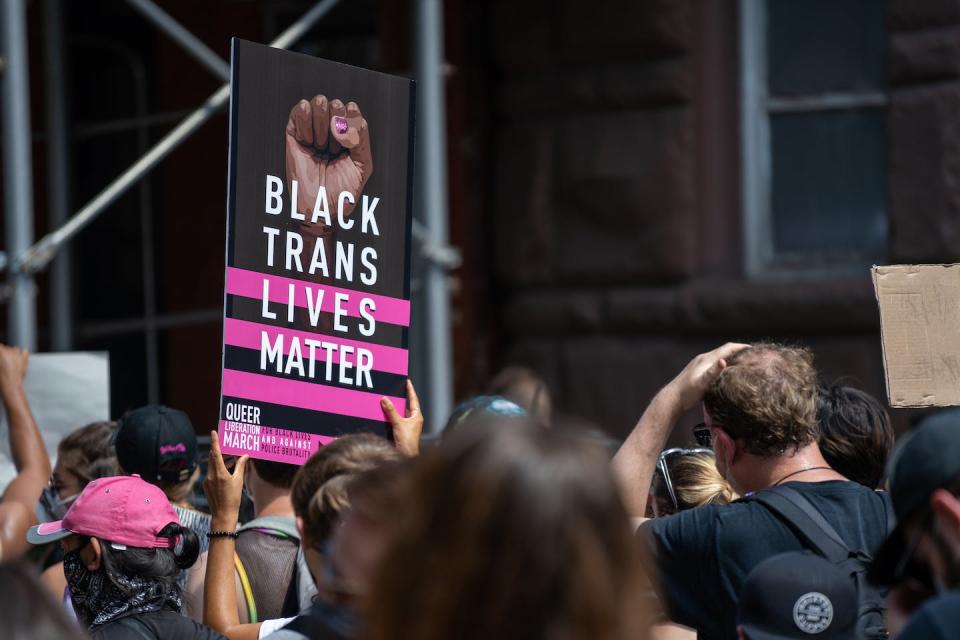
703 555
938 619
317 623
157 624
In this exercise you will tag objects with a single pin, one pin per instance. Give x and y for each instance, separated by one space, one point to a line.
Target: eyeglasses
665 471
701 433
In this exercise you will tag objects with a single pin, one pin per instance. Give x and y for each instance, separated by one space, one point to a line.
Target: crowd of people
795 516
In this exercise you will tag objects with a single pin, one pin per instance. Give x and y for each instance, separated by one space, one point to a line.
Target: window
814 136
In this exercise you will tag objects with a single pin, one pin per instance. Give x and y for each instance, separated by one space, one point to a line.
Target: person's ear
725 446
946 506
304 535
92 555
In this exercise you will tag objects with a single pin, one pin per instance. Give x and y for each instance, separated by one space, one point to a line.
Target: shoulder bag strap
806 521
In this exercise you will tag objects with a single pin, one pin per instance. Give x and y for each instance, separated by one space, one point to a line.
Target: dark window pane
829 185
109 255
817 46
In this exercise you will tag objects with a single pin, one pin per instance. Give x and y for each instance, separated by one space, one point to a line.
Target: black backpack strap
806 521
291 601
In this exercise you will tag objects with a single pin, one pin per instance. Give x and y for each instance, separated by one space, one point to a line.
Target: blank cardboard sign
920 327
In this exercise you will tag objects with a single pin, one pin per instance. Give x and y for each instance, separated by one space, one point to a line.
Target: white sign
65 391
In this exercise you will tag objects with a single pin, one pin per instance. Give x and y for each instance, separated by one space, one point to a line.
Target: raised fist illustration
328 144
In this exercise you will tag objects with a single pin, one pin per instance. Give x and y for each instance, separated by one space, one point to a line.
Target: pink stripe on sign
306 395
269 443
249 284
241 333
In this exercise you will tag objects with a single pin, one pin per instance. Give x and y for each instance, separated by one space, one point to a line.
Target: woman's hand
406 430
224 489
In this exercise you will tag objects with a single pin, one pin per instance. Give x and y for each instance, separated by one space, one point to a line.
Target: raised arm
636 459
224 491
17 509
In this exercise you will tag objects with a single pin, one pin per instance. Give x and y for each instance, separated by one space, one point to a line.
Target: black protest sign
317 294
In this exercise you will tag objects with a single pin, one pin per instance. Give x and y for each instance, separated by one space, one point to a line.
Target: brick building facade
618 199
603 182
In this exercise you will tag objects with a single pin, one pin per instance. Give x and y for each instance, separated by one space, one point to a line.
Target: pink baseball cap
121 509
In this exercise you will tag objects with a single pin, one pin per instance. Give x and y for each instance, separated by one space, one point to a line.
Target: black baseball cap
798 595
937 619
157 443
927 458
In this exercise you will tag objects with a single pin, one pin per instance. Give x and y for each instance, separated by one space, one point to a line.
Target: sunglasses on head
703 435
665 470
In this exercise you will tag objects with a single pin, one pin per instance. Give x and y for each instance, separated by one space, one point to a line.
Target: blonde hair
696 482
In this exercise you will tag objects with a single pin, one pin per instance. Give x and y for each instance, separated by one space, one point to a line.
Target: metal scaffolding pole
432 196
187 40
17 173
44 250
58 173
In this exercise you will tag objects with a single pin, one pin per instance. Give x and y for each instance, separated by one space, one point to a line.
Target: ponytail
186 545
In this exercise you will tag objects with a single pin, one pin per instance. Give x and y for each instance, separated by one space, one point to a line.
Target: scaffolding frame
24 257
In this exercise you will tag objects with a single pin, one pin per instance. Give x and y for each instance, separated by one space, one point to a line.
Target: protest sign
317 298
66 391
920 327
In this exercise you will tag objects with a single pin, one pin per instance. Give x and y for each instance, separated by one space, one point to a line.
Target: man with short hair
759 410
921 557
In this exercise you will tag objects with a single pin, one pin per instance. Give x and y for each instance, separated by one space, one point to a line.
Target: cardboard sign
920 326
317 294
66 391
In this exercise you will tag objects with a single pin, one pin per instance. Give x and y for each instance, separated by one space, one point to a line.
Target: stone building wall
616 209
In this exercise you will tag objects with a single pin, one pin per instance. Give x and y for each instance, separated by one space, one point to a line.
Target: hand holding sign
328 145
406 430
224 489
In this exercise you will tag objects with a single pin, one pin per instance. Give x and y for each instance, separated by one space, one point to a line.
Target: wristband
222 534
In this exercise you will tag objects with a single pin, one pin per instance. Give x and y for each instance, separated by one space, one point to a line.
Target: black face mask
98 598
79 580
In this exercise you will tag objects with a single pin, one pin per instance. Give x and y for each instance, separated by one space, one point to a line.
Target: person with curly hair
759 407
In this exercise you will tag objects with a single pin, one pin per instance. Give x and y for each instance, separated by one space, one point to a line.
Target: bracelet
222 534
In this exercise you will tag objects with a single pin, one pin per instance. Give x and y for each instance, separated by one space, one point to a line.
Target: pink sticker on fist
340 124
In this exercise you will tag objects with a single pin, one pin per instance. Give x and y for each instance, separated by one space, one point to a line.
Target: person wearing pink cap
124 549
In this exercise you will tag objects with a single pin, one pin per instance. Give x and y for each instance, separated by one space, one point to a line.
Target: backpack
300 591
819 536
